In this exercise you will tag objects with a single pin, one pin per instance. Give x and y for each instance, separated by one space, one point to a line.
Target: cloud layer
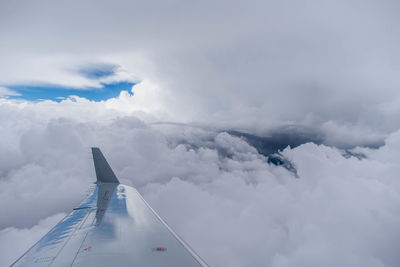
213 188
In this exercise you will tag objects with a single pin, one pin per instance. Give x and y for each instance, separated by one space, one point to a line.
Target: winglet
104 172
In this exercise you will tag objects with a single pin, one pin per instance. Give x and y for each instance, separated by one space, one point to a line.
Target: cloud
15 241
240 76
7 92
215 189
249 65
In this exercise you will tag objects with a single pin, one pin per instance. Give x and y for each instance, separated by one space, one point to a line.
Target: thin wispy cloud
6 92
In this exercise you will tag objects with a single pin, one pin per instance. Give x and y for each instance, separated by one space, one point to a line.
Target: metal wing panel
114 226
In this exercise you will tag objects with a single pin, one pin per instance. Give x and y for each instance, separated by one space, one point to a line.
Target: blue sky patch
58 93
98 71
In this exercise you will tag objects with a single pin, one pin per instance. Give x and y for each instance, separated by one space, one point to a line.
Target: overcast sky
331 67
252 61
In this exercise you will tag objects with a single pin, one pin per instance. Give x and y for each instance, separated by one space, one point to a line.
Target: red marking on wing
160 249
87 249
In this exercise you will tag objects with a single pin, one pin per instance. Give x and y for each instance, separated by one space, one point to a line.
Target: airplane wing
113 226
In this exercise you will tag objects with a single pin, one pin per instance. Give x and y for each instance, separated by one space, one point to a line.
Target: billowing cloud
214 188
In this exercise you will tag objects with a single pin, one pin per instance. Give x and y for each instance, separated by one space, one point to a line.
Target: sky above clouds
253 62
185 98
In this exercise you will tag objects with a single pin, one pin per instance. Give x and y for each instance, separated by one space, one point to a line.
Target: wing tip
104 173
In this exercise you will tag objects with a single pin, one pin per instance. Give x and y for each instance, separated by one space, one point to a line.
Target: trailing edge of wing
104 173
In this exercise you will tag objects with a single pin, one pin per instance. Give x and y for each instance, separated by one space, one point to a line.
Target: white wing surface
113 226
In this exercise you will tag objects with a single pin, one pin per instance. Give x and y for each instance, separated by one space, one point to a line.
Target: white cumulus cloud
215 189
